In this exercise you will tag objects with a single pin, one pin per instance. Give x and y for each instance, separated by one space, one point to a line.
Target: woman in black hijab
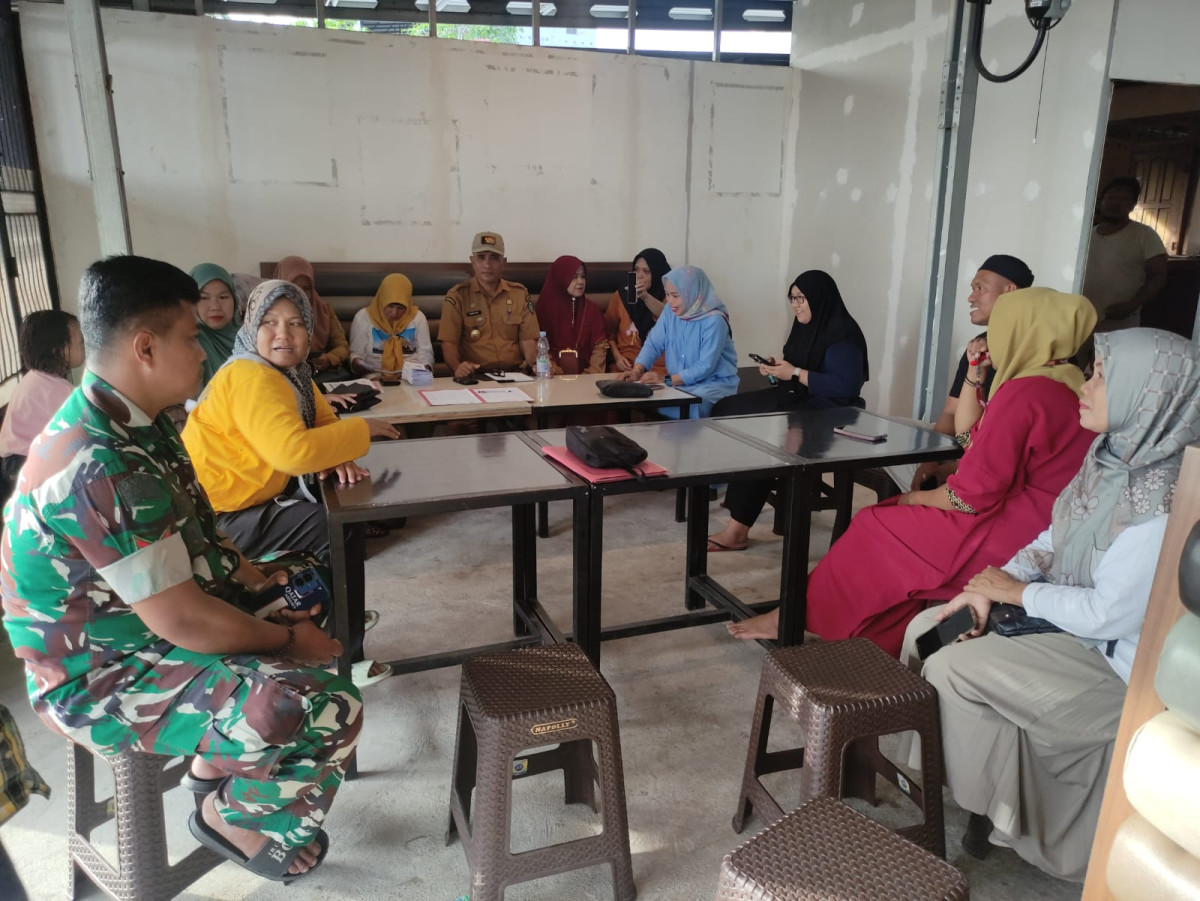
628 320
824 358
824 365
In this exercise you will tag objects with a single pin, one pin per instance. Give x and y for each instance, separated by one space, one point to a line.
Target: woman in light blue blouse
694 334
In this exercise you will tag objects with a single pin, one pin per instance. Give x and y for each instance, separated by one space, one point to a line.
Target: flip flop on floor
370 618
272 860
716 547
361 675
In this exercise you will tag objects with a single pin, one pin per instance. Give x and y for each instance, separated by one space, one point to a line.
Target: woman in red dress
573 325
922 546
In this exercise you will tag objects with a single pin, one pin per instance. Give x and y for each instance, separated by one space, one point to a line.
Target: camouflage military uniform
108 512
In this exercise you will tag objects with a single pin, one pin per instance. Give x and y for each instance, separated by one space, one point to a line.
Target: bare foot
733 535
765 625
250 842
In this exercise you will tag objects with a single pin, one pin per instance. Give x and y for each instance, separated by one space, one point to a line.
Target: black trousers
746 500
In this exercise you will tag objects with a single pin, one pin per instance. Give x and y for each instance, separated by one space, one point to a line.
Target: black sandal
272 860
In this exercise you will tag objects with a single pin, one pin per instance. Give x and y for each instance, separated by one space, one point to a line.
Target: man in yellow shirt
487 320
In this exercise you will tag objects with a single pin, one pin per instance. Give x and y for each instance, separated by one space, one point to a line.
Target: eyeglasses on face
795 298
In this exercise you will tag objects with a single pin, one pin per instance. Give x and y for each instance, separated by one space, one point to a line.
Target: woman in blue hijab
694 334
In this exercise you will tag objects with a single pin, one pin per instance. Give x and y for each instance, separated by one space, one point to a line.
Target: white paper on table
515 377
503 395
447 397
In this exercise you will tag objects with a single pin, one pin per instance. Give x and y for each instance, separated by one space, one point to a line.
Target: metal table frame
589 631
531 623
793 602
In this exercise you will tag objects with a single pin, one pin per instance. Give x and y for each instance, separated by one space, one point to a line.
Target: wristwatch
796 372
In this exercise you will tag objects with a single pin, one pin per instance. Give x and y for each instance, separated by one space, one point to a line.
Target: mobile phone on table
763 361
860 436
946 632
630 288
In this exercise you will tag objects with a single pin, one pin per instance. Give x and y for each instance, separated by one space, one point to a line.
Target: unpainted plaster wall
867 126
246 142
868 100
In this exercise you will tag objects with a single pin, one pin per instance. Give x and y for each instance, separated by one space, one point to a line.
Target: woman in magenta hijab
573 325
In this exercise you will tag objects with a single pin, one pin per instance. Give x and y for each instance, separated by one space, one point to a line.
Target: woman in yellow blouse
261 427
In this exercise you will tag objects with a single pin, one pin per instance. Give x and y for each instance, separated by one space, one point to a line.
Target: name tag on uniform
474 312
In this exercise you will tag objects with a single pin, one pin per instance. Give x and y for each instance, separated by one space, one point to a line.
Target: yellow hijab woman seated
390 332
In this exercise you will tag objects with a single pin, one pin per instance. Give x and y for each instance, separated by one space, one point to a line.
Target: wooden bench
348 287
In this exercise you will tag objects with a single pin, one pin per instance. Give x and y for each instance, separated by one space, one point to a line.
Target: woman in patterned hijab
1029 721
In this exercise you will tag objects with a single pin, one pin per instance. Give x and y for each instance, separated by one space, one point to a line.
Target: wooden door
1163 171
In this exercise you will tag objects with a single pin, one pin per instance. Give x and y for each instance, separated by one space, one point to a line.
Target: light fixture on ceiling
525 8
353 4
446 6
606 11
259 2
690 13
764 15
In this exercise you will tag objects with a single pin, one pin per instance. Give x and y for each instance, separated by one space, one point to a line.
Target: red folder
594 475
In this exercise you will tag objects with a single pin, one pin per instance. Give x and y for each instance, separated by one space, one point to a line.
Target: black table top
807 436
450 473
687 449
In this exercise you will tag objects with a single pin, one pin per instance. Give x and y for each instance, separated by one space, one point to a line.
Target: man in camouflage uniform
128 610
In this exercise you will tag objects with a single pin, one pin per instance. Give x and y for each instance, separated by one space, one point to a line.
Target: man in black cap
998 275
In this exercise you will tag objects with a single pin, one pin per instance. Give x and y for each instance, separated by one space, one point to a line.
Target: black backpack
604 447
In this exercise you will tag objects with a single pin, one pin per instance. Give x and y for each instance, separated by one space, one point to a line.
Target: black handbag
1010 620
615 388
604 447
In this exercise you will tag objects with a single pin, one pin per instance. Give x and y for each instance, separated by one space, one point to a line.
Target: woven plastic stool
824 851
530 698
142 872
844 695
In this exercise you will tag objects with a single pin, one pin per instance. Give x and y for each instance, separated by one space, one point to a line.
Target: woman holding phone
1029 721
631 315
824 358
824 365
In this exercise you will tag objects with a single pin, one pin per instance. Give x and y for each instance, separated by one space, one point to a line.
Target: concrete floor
685 700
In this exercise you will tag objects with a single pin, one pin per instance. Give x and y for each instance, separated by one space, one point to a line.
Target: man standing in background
1126 262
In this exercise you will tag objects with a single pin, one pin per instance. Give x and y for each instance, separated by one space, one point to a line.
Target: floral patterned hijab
1152 387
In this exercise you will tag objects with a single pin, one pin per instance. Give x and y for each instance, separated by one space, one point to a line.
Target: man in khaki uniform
486 320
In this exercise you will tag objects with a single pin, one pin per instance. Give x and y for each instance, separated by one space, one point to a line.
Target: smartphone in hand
763 361
946 632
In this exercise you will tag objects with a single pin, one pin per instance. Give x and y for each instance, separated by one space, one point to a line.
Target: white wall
868 104
246 142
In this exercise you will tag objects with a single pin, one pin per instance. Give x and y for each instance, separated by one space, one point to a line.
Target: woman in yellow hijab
924 545
390 332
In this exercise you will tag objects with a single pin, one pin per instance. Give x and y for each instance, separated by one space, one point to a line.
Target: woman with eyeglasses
824 365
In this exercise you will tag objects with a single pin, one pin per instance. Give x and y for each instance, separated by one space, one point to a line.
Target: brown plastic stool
530 698
142 872
844 695
824 851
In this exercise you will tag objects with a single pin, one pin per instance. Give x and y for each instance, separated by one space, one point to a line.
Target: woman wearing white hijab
1029 722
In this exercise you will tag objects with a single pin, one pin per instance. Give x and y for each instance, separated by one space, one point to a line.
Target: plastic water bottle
543 356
